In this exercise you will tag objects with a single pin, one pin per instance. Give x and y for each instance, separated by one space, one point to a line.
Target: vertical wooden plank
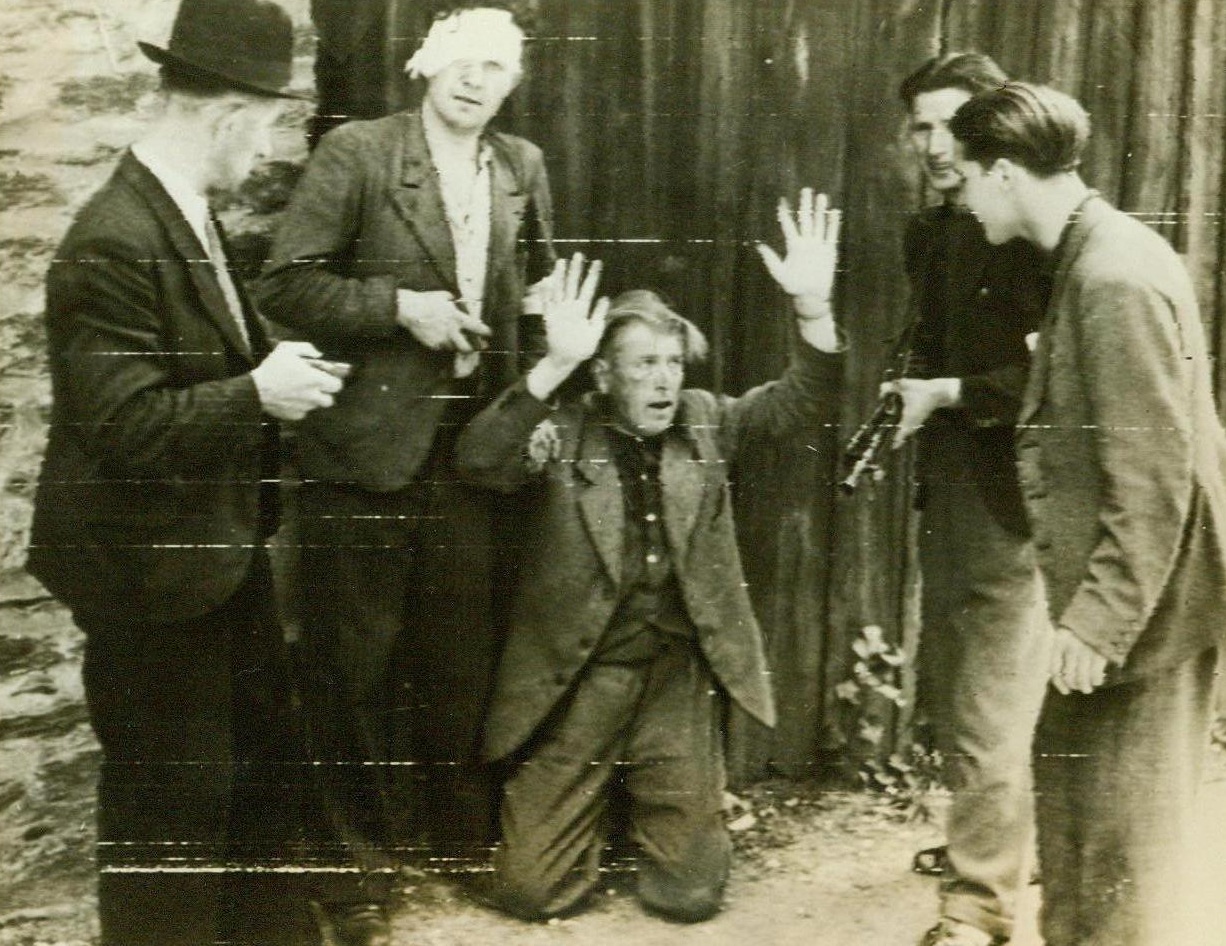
1107 90
1204 144
1056 60
1151 180
873 558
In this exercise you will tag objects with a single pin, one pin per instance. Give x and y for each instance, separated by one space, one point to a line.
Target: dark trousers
398 652
656 728
1116 776
982 677
197 797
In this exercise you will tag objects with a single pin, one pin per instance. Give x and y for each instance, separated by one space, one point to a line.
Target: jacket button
1042 544
560 679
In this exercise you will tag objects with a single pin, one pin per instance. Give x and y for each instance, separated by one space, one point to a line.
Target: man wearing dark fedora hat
157 493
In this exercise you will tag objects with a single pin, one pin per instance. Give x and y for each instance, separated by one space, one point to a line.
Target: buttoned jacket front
159 477
570 560
367 219
1121 454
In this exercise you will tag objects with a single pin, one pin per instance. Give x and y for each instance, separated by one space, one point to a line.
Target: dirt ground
815 866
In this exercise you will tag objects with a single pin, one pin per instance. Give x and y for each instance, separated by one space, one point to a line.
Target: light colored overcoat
1120 451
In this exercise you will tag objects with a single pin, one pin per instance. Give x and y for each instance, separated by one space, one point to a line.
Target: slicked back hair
1038 127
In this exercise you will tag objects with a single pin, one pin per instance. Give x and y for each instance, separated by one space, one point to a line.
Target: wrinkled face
986 195
466 94
643 377
243 138
928 128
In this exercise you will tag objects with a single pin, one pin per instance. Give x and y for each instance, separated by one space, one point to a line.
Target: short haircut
645 307
971 72
1043 130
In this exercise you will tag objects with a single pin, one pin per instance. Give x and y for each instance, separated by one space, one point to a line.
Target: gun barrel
866 448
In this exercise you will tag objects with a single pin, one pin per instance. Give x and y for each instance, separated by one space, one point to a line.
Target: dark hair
644 306
182 80
1043 130
971 72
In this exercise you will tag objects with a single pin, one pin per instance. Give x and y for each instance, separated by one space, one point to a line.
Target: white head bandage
482 34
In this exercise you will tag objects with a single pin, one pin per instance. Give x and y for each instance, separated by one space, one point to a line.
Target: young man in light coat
1121 458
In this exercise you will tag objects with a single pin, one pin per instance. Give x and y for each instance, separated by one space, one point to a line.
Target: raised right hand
437 322
292 381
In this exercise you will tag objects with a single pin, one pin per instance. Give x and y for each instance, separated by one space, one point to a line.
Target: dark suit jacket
150 501
1121 454
974 305
368 219
573 528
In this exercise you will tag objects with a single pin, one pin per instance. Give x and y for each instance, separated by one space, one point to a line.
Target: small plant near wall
872 693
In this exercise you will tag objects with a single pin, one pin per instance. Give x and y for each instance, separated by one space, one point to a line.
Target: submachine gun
866 449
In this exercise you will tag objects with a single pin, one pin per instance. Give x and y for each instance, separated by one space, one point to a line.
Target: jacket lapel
188 246
419 200
600 497
682 481
508 204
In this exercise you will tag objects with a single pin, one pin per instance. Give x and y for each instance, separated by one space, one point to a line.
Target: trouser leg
675 780
448 655
555 803
174 706
1116 778
984 679
355 561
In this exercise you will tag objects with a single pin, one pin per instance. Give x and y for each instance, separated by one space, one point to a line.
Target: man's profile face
985 195
642 375
243 138
466 94
928 131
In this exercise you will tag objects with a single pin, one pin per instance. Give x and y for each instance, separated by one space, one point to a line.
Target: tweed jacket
367 219
570 559
973 305
150 502
1121 454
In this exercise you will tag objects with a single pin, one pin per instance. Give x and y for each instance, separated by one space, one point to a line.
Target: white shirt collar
191 203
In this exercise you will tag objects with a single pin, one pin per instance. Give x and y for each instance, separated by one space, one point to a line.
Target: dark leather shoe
361 924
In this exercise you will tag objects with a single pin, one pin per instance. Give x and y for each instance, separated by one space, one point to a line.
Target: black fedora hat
247 44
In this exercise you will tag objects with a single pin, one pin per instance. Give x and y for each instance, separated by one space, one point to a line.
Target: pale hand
573 324
1074 666
292 381
920 397
811 238
437 322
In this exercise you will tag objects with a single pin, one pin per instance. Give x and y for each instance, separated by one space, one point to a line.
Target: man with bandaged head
409 247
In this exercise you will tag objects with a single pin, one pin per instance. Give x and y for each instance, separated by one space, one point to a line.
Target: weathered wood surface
672 126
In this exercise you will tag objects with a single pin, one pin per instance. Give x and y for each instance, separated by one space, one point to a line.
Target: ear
600 374
1005 169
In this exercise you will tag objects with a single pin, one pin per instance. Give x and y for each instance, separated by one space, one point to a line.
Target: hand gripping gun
866 450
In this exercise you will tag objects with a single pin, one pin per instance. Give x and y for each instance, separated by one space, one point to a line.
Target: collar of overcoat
199 265
1072 240
418 198
685 461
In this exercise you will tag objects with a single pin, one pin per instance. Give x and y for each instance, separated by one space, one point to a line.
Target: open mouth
660 405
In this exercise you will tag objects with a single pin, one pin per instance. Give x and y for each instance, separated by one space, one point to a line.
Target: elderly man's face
931 142
643 375
466 94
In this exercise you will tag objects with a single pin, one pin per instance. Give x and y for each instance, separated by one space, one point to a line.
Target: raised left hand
811 238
